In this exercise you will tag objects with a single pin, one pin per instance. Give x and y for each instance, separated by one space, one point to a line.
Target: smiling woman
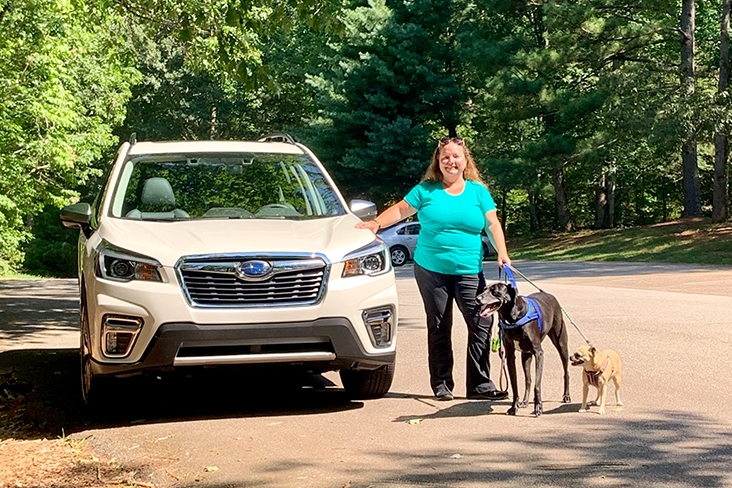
454 207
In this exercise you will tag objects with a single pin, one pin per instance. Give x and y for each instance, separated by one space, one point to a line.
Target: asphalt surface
670 324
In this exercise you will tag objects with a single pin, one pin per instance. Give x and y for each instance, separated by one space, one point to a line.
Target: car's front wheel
365 384
398 255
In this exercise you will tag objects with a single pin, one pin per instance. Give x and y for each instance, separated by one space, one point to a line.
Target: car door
411 233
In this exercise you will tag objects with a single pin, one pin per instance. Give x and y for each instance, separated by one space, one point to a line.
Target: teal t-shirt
449 240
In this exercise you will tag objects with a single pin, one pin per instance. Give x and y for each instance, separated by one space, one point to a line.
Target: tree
692 198
720 202
230 36
65 82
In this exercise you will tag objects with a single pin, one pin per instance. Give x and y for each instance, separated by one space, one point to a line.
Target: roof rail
279 137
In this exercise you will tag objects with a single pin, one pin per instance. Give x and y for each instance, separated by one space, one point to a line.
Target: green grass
694 241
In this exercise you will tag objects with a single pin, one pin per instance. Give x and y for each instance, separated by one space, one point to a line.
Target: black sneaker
489 395
443 394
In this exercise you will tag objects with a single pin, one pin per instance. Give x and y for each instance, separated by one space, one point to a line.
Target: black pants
439 291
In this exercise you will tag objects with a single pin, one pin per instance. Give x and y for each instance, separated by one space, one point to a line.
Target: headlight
370 260
119 264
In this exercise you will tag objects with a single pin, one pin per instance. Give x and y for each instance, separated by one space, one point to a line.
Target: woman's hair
433 172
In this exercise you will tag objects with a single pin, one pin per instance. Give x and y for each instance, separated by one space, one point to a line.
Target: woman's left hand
503 259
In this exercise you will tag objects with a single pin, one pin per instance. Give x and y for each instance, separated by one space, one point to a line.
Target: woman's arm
499 240
392 215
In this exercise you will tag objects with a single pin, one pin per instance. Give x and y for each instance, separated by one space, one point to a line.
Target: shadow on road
672 449
49 401
30 307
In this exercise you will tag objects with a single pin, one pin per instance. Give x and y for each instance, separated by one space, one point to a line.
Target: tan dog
600 366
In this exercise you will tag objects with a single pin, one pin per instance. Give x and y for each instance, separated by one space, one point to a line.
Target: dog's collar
593 376
532 313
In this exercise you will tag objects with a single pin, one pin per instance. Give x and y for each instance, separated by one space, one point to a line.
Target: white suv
231 253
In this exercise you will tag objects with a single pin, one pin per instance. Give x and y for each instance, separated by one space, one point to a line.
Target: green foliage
65 82
176 101
232 36
401 83
53 250
585 90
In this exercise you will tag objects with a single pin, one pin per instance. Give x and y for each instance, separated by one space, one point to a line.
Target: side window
402 231
413 230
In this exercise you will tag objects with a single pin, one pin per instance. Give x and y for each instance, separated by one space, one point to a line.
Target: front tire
398 255
91 390
367 384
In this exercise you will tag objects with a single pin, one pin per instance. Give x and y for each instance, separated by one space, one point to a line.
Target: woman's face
452 161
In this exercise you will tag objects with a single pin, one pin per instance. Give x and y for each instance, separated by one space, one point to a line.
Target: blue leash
507 268
532 313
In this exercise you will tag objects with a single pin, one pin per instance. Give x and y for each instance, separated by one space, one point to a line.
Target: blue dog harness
532 312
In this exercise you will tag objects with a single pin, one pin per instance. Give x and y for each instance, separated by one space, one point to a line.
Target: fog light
119 334
379 323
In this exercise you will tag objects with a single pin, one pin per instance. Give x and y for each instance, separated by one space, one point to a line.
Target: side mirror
364 209
77 215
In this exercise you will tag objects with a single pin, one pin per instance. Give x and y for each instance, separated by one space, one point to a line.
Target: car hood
168 241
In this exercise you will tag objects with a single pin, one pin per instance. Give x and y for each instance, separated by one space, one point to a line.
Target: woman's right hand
372 225
390 216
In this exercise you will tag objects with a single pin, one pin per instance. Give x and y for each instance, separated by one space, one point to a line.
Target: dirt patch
29 459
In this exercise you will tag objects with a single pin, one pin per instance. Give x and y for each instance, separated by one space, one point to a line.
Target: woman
453 205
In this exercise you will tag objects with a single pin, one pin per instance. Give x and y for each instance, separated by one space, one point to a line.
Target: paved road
670 323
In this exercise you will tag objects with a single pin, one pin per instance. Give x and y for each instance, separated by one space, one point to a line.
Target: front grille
215 283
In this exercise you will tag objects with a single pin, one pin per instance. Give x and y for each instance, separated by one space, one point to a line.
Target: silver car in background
401 239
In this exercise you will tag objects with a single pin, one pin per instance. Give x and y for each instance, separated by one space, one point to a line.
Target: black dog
524 322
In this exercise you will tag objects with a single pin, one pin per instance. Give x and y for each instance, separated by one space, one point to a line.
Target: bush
52 251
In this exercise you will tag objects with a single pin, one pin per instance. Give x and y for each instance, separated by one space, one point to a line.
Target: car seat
157 201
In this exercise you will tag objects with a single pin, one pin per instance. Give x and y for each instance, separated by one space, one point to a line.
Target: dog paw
511 411
582 410
566 399
523 404
601 411
538 411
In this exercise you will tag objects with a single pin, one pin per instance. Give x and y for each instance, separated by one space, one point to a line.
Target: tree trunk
600 200
610 192
560 195
720 199
690 177
212 128
533 214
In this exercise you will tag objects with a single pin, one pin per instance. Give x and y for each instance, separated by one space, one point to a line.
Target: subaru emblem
253 270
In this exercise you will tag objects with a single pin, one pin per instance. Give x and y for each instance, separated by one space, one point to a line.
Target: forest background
580 113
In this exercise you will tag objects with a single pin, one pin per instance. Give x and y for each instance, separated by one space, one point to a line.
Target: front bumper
323 344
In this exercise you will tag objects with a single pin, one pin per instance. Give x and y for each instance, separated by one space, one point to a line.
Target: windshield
242 186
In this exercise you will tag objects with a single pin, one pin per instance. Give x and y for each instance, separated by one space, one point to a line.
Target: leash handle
509 275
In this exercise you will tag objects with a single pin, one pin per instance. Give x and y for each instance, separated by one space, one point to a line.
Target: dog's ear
593 349
511 291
